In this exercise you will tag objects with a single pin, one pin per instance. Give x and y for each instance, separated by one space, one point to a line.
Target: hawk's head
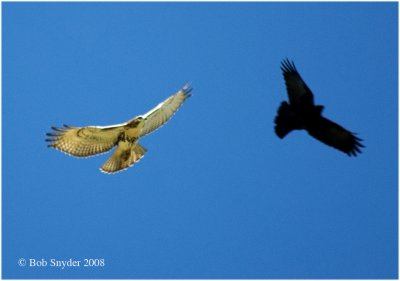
135 122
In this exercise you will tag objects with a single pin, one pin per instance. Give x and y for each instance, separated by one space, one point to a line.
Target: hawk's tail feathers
121 160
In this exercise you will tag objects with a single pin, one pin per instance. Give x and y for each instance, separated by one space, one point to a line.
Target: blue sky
217 195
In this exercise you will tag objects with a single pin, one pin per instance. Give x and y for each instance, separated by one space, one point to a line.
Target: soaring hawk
92 140
301 113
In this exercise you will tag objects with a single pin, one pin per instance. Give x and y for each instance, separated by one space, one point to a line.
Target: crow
300 113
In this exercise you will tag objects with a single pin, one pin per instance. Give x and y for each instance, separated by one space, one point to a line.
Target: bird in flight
300 113
93 140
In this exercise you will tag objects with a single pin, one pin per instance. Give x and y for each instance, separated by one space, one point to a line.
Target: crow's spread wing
336 136
298 92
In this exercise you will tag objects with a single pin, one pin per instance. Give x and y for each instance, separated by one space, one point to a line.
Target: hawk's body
302 114
93 140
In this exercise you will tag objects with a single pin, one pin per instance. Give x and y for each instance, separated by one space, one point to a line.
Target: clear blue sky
217 195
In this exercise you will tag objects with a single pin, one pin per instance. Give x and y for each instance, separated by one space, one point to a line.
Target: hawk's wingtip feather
57 129
187 89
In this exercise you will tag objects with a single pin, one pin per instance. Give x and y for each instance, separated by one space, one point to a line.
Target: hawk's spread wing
297 90
85 141
336 136
159 115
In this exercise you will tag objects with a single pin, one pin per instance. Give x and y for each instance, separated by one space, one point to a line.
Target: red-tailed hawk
92 140
301 113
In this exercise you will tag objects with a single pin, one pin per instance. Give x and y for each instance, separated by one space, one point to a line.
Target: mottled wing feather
159 115
297 90
336 136
84 141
